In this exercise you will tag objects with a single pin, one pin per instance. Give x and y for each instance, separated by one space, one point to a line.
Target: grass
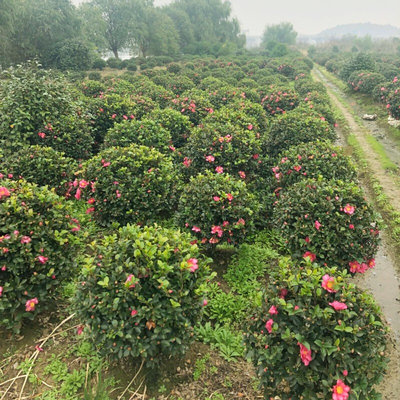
385 161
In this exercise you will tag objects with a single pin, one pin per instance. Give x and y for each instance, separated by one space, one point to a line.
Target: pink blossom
133 313
83 183
216 229
4 192
297 168
371 263
273 310
1 291
219 170
241 221
130 282
43 259
216 198
250 127
192 264
351 226
30 304
338 306
268 325
229 197
328 283
42 135
25 239
242 174
317 225
210 159
205 302
305 354
91 201
80 329
196 229
310 255
348 209
186 162
90 210
345 372
340 391
78 194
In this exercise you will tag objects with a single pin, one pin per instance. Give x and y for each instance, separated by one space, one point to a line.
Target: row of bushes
218 164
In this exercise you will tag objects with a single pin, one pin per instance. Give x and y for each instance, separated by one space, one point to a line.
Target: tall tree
280 33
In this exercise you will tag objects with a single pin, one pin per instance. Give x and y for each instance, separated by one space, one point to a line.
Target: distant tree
281 33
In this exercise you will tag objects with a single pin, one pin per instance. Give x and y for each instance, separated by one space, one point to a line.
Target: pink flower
130 282
338 306
242 174
25 239
305 354
340 391
351 226
91 201
80 329
268 325
210 159
133 313
250 127
310 255
317 225
30 304
241 221
216 229
345 372
4 192
283 293
90 210
42 135
196 229
1 291
273 310
348 209
38 348
187 162
328 283
118 194
83 183
219 170
113 116
371 263
43 259
192 264
205 302
297 168
78 194
229 197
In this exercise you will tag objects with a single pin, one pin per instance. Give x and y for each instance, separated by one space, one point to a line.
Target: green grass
385 161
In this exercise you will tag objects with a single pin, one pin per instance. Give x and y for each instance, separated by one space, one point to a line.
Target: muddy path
383 281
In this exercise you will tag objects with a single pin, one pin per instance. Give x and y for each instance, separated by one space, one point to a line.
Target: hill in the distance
374 30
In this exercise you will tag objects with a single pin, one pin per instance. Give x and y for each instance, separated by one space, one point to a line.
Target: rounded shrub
365 81
194 104
330 219
222 145
358 62
144 132
393 103
38 246
93 88
127 184
217 208
141 293
316 336
312 160
40 165
280 100
174 122
305 85
293 128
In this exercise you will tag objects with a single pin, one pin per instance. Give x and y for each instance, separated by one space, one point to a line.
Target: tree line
65 36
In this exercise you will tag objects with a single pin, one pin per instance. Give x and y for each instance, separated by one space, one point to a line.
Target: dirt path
383 281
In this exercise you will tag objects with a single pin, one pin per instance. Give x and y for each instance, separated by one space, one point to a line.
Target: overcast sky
310 16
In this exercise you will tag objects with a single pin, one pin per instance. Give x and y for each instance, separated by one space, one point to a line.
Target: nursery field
196 230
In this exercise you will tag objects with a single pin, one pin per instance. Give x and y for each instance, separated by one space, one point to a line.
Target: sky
309 16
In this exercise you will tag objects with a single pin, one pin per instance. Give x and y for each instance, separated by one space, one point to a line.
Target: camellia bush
393 103
142 292
294 128
280 100
143 132
222 145
365 81
312 160
127 184
39 243
217 208
316 336
174 122
40 165
330 220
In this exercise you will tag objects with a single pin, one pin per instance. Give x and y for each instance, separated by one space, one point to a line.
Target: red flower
310 255
305 354
4 192
273 310
317 225
340 391
268 325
